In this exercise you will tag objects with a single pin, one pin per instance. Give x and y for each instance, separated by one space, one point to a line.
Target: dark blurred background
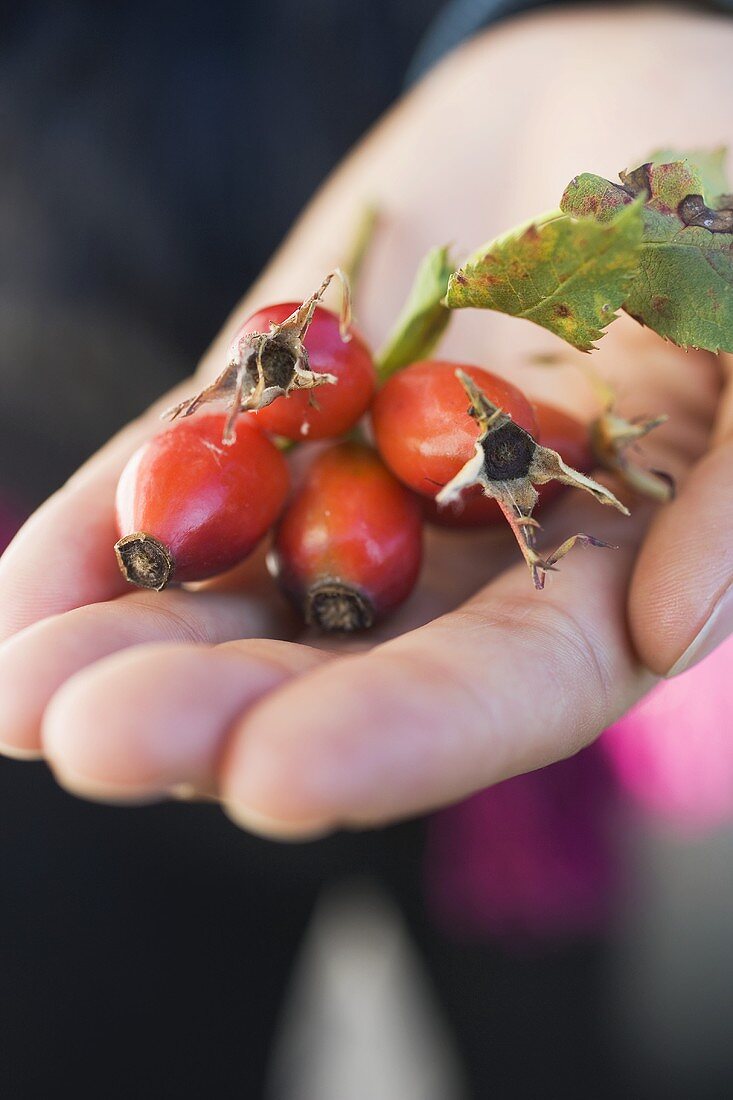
152 157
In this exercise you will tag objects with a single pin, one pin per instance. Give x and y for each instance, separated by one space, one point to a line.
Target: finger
509 682
150 720
681 596
36 662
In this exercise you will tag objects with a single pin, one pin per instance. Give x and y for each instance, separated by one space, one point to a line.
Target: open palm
138 695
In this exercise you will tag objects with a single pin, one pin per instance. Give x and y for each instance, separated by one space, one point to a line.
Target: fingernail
713 634
271 828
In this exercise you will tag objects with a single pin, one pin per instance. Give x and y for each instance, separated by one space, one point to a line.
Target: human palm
138 695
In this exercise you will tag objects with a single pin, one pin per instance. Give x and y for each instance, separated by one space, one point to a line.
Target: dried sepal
508 463
262 366
613 439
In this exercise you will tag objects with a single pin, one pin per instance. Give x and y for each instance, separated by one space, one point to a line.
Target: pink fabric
529 857
533 857
673 754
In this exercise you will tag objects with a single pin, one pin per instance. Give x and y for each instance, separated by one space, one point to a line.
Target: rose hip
337 405
284 352
509 465
189 507
433 442
557 430
422 424
348 547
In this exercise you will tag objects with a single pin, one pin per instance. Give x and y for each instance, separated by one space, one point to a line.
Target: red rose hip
427 437
348 547
422 426
281 354
189 507
333 408
555 429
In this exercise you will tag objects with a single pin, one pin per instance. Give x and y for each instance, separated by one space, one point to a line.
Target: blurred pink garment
529 858
674 751
534 857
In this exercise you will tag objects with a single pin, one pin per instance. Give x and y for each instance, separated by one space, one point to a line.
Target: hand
136 695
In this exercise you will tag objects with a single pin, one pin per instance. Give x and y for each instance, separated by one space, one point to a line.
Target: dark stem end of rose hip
144 561
337 608
508 452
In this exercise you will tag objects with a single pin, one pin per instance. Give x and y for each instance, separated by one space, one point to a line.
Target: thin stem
361 245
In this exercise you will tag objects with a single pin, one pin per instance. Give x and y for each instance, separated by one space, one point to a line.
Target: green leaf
568 274
708 165
423 319
684 286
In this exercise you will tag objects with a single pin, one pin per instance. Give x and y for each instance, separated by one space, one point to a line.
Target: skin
479 676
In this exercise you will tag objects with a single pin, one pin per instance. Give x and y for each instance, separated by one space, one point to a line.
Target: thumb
681 596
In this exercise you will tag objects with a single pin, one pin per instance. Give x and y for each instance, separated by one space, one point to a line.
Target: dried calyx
145 561
265 365
335 607
508 463
613 439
